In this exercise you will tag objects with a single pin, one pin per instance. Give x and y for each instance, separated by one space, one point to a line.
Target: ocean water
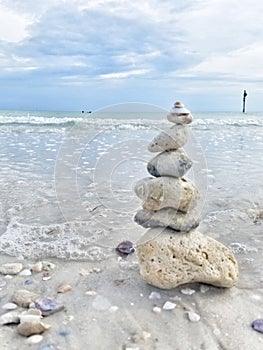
66 181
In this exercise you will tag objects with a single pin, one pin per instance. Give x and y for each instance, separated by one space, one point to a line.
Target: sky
88 54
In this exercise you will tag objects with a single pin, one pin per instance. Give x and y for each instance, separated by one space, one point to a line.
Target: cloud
238 65
121 75
12 25
173 47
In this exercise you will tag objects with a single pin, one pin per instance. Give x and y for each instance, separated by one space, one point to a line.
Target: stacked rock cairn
172 252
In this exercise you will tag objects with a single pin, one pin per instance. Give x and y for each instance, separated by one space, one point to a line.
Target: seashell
125 248
193 317
9 318
23 297
157 310
63 288
30 328
257 325
48 306
187 291
169 306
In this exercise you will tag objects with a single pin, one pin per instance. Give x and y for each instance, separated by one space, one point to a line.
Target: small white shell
169 306
193 317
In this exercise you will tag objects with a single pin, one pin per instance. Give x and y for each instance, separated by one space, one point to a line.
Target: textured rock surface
172 139
30 328
11 268
168 260
167 217
169 163
23 297
163 192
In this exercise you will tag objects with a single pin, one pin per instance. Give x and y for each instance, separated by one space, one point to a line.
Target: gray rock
172 139
167 217
163 192
167 260
23 297
11 268
169 163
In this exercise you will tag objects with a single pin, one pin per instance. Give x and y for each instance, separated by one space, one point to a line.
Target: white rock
9 306
163 192
187 291
157 310
169 163
167 217
34 339
25 273
91 293
167 260
193 317
11 268
169 305
173 117
37 267
179 109
172 139
31 315
9 318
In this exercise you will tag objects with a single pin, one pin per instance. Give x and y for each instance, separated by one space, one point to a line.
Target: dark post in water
244 101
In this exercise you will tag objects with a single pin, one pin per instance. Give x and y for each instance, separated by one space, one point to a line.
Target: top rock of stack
179 114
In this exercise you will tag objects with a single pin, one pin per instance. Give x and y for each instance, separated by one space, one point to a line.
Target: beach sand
118 313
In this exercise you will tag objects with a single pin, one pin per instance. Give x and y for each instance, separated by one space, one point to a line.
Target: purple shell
257 325
125 248
48 306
